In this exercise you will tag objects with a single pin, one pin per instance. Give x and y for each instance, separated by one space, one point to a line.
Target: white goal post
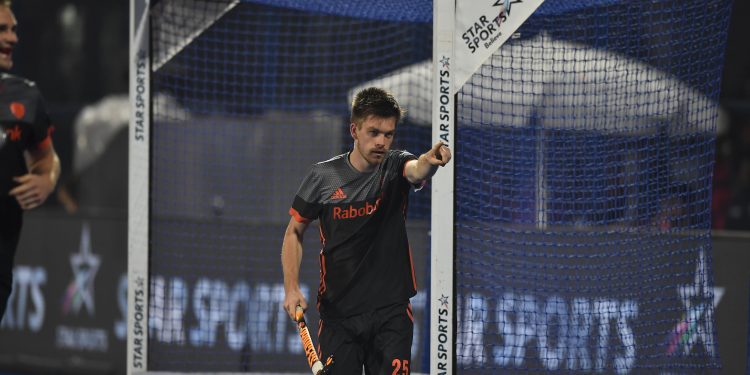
138 190
455 58
452 67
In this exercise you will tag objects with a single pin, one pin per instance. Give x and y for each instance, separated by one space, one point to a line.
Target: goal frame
442 235
139 135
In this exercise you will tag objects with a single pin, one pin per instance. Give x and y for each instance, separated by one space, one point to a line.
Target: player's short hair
5 3
374 101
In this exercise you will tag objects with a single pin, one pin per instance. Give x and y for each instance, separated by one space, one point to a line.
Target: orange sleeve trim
45 143
322 238
297 217
322 287
409 313
320 329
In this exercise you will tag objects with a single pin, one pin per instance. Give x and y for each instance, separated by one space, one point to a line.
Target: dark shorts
8 244
379 340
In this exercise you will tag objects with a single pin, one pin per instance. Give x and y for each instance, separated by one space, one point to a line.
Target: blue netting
411 11
584 155
386 10
241 112
583 159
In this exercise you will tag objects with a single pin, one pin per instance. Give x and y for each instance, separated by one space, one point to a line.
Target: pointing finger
445 153
436 150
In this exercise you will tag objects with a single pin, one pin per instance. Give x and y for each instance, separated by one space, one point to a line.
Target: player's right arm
418 170
291 257
33 188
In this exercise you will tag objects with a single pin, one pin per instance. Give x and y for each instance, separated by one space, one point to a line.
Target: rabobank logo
85 264
353 212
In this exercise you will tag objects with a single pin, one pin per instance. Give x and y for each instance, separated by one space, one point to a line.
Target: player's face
8 37
373 138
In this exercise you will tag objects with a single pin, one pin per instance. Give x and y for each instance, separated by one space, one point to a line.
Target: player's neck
359 162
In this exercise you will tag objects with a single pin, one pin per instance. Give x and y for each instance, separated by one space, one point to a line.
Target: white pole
138 189
442 345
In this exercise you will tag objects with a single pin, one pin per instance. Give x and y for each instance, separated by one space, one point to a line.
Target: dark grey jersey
365 260
24 125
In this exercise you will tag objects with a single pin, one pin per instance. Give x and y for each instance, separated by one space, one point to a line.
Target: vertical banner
138 189
465 34
482 26
441 233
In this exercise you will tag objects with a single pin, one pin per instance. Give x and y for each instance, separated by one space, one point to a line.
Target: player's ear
353 130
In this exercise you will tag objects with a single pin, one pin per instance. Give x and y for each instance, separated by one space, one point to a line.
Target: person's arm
291 257
424 167
44 170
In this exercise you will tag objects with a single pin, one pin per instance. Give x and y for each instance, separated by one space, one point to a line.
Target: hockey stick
316 366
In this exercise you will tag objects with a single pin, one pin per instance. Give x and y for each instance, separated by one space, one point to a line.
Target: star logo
696 324
505 6
446 61
85 264
443 300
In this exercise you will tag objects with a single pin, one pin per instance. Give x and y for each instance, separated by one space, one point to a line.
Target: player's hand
32 190
439 154
291 301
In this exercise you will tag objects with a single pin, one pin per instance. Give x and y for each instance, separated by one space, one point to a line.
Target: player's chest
14 135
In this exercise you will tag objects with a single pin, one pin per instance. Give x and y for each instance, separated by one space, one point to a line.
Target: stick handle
307 343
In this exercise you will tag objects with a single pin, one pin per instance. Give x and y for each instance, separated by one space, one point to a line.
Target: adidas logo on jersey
338 195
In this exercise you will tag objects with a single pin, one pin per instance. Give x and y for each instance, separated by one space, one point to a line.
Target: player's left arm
418 170
33 188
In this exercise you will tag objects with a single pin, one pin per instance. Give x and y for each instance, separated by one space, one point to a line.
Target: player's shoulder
400 155
323 170
17 85
12 79
335 162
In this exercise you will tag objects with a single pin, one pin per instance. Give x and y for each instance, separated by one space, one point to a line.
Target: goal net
583 156
583 181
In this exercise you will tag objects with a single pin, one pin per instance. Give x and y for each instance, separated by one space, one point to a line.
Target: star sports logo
506 6
696 324
443 300
446 62
85 264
